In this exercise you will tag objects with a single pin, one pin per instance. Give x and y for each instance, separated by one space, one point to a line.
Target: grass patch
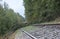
30 28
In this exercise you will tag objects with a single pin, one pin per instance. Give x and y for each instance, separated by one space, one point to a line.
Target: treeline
38 11
9 20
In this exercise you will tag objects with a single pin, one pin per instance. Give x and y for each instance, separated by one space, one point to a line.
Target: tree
37 11
9 20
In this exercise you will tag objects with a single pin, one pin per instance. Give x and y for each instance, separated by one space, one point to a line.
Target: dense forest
38 11
9 20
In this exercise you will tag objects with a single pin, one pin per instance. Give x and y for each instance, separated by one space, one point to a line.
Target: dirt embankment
11 36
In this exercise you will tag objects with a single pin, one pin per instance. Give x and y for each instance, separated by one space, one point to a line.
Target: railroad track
48 31
31 36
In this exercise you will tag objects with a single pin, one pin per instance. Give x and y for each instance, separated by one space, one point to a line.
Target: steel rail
31 36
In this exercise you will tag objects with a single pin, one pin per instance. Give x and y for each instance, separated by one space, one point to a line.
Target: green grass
27 28
30 28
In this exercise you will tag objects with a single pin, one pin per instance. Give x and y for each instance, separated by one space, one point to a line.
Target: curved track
45 31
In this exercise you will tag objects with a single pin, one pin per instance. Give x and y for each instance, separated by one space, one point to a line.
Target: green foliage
37 11
9 20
